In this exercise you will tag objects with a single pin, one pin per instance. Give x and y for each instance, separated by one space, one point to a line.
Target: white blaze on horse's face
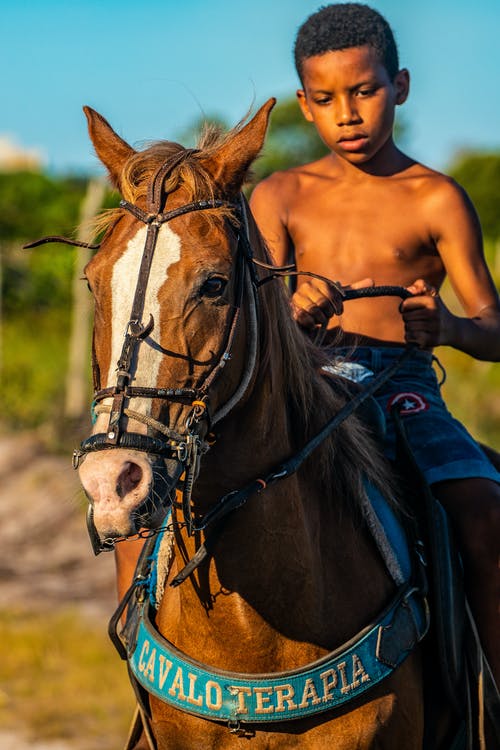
119 482
123 280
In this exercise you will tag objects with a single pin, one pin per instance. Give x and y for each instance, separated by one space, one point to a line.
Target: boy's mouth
355 142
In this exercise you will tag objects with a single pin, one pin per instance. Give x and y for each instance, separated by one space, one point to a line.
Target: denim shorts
442 447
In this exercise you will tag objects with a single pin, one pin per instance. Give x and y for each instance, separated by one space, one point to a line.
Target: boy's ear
303 105
402 85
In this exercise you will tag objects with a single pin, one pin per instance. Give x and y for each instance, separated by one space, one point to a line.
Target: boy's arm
314 302
269 213
428 322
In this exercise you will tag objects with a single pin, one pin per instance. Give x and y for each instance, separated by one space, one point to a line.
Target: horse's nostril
128 479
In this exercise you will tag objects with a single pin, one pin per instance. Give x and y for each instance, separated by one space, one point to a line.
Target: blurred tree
479 174
290 141
34 205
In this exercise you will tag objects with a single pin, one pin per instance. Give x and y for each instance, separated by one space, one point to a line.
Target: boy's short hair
343 25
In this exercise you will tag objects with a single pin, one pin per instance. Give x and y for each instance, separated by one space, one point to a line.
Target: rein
237 498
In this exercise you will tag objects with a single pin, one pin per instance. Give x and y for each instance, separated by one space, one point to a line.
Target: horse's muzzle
127 491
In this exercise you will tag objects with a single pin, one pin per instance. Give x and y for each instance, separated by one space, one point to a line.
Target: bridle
187 447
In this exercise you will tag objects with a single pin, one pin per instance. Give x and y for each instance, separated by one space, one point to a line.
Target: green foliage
479 174
472 393
35 350
36 292
290 141
33 205
36 280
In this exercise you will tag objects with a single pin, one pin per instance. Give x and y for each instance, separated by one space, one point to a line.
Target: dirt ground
45 556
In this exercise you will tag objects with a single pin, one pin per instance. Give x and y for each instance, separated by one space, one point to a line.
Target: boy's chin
354 157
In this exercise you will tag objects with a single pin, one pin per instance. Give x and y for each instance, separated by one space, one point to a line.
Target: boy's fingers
318 300
422 326
421 287
304 319
425 302
362 284
309 315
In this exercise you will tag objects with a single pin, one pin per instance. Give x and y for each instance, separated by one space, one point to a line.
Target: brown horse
211 366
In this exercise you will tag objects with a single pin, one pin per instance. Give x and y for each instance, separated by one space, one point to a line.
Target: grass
472 393
33 367
472 388
60 677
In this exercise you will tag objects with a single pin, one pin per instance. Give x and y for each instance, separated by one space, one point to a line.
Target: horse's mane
342 461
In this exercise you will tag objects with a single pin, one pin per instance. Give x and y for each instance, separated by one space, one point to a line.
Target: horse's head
173 347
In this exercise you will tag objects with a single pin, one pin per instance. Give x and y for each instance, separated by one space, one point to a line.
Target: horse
205 383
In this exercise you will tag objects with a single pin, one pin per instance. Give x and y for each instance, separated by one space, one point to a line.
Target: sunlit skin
368 213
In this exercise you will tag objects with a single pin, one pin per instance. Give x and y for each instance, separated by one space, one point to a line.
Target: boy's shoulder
435 188
292 177
287 185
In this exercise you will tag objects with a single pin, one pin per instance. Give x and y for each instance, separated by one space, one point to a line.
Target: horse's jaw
126 490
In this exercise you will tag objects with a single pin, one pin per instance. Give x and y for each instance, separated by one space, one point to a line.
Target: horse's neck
249 443
286 564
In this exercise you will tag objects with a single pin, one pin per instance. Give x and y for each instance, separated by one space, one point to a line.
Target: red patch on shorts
410 403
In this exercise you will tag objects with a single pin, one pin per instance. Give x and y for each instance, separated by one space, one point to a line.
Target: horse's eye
213 287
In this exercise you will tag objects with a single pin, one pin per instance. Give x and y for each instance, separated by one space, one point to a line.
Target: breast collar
333 681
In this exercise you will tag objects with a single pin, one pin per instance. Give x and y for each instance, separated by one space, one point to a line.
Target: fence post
76 376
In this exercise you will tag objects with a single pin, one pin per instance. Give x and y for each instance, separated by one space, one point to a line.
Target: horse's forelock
197 182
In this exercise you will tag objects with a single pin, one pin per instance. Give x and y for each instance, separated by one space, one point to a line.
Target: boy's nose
346 113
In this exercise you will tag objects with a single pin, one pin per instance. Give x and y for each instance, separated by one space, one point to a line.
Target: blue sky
153 67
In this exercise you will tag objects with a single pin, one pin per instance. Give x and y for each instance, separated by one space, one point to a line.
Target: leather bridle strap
136 331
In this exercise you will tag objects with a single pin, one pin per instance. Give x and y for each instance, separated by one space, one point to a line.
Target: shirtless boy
368 210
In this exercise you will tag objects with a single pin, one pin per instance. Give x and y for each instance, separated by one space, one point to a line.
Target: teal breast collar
330 682
237 698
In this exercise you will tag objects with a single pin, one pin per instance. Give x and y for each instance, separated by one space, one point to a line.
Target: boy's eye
323 100
365 92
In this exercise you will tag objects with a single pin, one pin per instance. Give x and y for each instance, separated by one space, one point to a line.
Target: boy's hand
315 302
427 320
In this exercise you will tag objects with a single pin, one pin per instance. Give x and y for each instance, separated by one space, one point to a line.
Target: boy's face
350 98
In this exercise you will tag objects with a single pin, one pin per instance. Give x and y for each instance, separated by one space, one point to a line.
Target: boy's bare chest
348 230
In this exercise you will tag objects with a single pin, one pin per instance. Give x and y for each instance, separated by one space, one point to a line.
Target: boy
368 210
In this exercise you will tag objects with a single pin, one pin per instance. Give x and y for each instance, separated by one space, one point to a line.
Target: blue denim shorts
442 447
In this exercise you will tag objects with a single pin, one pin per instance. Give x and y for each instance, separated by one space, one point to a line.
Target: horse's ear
112 150
232 160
